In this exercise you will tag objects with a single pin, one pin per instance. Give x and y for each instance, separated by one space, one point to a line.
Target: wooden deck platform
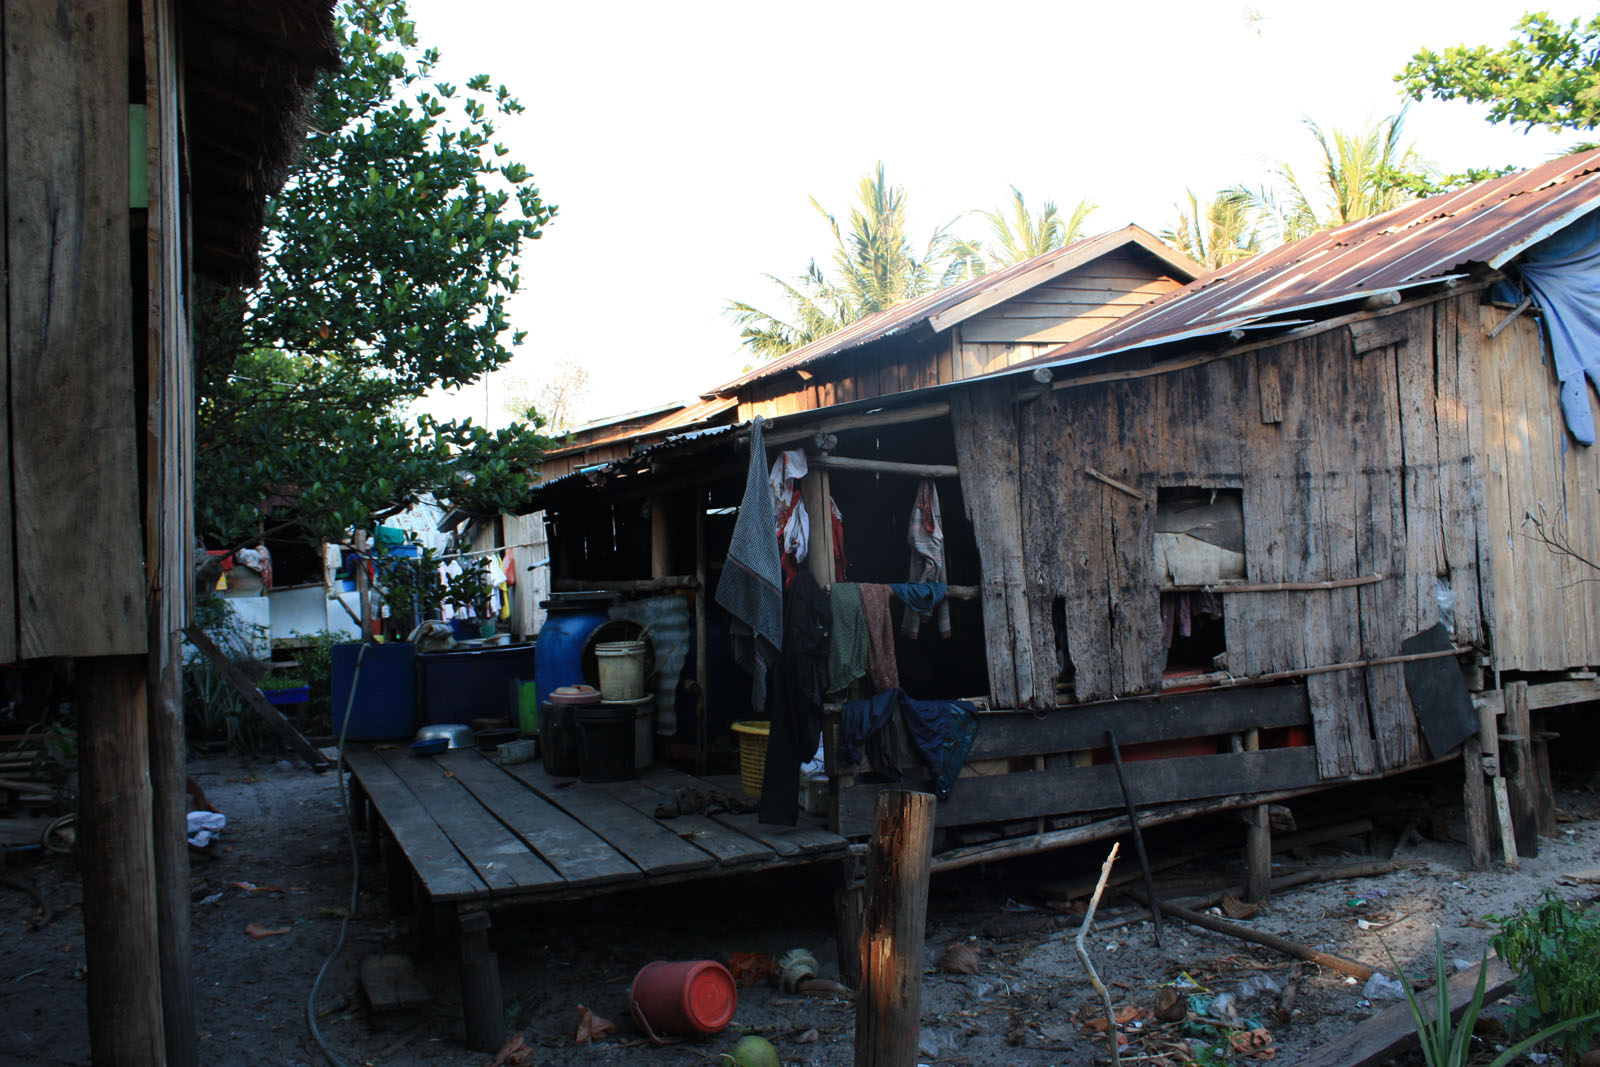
477 832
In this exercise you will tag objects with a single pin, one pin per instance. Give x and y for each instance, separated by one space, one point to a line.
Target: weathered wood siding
1546 611
1077 303
1349 465
72 443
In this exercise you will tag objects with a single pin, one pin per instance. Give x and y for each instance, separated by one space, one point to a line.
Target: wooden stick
890 1000
883 466
258 703
1083 956
1516 312
1274 587
670 583
702 669
1508 836
1122 487
1138 838
1359 971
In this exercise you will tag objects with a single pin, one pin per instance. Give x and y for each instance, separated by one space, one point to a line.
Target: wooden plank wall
74 433
1349 465
1077 303
1546 613
169 459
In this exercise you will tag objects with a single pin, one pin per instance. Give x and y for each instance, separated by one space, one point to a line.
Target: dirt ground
283 864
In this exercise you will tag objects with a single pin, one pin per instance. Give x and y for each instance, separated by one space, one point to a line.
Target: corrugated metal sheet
903 317
1419 243
683 415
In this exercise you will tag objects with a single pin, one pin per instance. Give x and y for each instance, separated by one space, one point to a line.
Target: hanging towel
925 535
751 587
880 637
847 639
921 596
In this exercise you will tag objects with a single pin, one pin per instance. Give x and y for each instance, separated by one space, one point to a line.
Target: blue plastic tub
386 696
475 683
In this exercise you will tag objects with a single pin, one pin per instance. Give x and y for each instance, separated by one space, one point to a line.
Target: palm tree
1020 235
1220 231
875 267
1362 174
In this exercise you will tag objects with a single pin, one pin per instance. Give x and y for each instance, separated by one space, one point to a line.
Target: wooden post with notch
1475 798
890 1000
1516 754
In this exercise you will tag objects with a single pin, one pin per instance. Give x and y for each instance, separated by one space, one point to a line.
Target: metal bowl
458 734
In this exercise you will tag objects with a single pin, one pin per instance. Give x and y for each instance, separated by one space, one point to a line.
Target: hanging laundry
940 730
925 535
1178 611
839 561
796 705
881 662
751 586
919 596
794 523
847 637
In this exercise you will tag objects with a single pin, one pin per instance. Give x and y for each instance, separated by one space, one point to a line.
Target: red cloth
881 662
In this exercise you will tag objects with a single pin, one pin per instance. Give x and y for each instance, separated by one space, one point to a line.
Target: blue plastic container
559 660
472 683
386 695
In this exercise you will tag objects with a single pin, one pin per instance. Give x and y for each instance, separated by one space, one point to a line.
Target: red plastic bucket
690 998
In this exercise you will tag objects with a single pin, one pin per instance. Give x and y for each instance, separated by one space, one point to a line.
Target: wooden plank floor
474 830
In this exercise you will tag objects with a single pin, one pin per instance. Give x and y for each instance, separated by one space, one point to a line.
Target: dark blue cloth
941 730
919 596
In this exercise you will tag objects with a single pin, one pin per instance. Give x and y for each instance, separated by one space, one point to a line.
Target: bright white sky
681 141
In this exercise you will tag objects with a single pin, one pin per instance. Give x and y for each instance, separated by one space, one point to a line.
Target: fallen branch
1359 971
1083 956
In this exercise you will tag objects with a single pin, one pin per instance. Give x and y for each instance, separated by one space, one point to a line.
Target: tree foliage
1017 233
1216 232
1362 173
388 259
1549 75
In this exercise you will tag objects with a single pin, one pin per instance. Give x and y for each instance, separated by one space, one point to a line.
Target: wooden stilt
1257 839
702 669
116 851
849 902
890 1000
660 543
1516 752
1475 799
170 850
480 985
1544 793
397 876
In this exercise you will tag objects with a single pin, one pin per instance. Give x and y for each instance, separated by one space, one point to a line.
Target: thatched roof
250 67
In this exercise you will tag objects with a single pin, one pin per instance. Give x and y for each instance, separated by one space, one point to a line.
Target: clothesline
466 555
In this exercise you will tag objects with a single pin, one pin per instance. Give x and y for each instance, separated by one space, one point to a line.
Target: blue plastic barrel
386 704
558 654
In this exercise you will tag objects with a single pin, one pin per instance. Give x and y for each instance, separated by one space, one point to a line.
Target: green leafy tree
1018 233
875 266
1216 232
1547 76
388 259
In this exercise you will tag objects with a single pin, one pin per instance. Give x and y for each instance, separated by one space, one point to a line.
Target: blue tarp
1562 273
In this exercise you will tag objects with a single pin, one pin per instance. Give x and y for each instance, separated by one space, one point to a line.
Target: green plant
315 656
278 682
213 711
1555 950
1447 1042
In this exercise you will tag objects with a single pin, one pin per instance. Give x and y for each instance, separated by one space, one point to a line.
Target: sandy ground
283 863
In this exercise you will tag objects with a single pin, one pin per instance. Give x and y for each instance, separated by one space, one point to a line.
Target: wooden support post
1544 793
890 1000
1516 752
848 907
814 490
1489 712
1257 839
116 853
1502 812
480 985
397 875
1475 799
702 669
660 558
170 846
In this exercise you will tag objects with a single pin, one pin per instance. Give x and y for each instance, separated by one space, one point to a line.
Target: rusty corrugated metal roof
1427 241
946 304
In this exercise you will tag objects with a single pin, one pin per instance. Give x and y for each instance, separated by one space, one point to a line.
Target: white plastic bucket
620 665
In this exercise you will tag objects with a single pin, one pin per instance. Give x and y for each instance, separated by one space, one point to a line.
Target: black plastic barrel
606 753
558 739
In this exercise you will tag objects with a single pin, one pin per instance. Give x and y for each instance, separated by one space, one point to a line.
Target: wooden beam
1274 587
889 1004
1257 839
816 490
862 420
258 703
670 583
702 670
660 543
1106 479
116 853
883 466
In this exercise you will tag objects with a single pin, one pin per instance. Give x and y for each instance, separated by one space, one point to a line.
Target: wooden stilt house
1313 518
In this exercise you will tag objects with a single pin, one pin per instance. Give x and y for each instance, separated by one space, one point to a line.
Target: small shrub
1555 949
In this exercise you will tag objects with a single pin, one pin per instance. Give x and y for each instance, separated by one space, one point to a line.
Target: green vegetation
1555 949
388 259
